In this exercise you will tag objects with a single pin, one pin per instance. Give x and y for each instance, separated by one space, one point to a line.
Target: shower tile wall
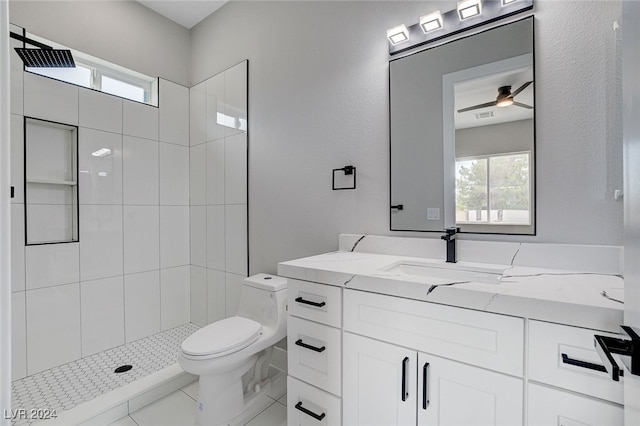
128 276
218 183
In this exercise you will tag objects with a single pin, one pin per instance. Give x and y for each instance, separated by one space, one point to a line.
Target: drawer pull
309 412
309 302
583 364
425 386
405 392
306 346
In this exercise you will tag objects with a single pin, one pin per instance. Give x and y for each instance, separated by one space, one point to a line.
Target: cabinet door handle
309 412
405 391
425 386
583 364
309 302
306 346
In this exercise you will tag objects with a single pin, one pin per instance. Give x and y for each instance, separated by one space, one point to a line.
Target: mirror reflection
462 134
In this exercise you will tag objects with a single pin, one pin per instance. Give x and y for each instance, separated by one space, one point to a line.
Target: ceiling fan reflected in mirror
504 99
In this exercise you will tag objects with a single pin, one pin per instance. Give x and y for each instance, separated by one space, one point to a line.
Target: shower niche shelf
51 182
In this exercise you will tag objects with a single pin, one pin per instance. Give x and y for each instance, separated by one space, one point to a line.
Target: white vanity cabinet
567 385
408 376
314 358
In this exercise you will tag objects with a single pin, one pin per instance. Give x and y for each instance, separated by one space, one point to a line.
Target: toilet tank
263 299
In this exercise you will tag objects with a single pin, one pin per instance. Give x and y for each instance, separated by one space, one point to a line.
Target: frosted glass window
79 75
122 89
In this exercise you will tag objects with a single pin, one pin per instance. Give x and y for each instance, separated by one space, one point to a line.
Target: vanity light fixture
431 22
469 8
398 34
102 152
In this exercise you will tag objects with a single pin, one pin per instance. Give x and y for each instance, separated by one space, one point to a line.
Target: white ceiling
185 12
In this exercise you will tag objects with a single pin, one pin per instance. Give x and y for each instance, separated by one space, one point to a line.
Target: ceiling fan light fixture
504 102
431 21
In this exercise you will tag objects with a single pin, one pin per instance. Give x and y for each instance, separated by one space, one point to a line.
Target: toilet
232 355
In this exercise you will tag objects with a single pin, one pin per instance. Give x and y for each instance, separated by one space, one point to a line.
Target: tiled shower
154 251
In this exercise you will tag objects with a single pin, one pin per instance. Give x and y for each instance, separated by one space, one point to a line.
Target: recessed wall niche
51 182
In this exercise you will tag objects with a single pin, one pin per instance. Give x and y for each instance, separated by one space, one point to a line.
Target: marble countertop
562 296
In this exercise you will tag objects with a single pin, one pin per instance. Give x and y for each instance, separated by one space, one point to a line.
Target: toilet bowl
232 355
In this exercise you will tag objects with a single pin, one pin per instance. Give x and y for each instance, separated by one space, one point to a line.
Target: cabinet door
379 383
450 393
554 407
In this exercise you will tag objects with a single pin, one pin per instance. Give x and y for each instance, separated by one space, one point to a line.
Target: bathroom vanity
385 332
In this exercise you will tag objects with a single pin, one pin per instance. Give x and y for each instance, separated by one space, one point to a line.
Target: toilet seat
221 338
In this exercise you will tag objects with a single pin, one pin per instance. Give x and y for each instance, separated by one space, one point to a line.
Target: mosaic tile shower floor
64 387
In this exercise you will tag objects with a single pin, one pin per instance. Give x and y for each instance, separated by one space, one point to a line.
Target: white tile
108 416
197 114
18 336
100 111
141 238
49 99
275 415
140 171
102 303
198 240
100 176
215 107
17 67
17 158
283 400
174 175
125 421
198 175
233 290
236 238
53 327
216 296
175 409
174 236
52 264
235 169
256 408
235 97
49 150
215 172
50 223
17 248
40 193
175 290
215 238
139 120
141 305
174 113
198 296
101 245
192 390
158 392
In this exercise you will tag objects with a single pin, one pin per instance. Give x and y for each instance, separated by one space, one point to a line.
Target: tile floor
64 387
179 409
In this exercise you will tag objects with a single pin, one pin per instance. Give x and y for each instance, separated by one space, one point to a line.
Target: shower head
45 56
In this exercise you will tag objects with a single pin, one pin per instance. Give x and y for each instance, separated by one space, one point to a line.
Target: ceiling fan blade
521 88
471 108
522 105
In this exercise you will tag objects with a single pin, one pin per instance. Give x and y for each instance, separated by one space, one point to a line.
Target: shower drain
123 368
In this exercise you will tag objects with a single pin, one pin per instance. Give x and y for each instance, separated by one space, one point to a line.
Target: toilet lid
227 335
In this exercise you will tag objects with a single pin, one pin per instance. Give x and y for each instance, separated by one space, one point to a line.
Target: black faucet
450 238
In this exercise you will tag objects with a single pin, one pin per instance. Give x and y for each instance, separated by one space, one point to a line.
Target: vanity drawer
547 406
317 302
310 406
314 354
478 338
554 350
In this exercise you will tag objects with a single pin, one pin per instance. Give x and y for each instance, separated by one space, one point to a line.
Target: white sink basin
455 272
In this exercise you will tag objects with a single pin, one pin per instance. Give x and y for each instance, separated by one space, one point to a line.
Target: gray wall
500 138
318 88
123 32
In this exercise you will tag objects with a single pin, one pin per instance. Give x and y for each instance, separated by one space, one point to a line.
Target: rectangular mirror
463 135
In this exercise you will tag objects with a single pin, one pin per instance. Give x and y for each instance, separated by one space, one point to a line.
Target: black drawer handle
308 412
309 302
425 386
313 348
583 364
405 391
